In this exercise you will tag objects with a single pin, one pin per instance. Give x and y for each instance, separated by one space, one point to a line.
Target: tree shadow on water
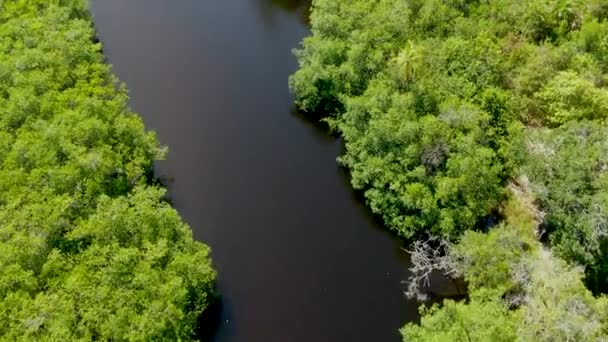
210 321
441 286
299 8
315 122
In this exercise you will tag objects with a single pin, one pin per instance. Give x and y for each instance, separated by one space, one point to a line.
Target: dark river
299 258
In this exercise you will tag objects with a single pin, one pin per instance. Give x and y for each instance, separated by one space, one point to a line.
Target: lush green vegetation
518 291
453 113
89 250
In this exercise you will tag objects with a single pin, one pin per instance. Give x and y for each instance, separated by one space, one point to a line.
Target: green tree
518 290
481 320
90 250
408 62
450 108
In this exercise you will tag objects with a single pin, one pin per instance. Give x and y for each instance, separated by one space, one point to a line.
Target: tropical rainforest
89 247
476 129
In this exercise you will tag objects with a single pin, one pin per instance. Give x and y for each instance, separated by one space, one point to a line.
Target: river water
299 258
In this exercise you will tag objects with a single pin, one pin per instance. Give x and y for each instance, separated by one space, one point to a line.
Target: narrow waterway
299 258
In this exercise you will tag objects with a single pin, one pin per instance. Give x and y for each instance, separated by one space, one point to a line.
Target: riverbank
299 258
90 249
453 112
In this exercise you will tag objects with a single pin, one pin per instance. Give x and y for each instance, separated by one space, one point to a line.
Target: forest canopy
454 112
90 249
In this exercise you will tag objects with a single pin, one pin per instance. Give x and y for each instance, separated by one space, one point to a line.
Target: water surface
299 258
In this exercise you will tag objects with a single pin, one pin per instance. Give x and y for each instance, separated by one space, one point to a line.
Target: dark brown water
299 258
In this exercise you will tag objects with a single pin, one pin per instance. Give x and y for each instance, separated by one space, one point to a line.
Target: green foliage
567 169
490 258
421 171
518 291
456 321
436 116
557 305
89 250
569 97
426 93
445 105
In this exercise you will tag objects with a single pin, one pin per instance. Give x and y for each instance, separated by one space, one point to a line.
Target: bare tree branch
428 256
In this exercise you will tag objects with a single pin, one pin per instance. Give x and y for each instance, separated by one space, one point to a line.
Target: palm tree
409 61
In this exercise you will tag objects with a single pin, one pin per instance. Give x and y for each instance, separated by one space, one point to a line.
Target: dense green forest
89 248
477 130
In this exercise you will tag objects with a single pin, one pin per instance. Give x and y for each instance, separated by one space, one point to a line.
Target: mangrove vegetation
89 248
476 129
